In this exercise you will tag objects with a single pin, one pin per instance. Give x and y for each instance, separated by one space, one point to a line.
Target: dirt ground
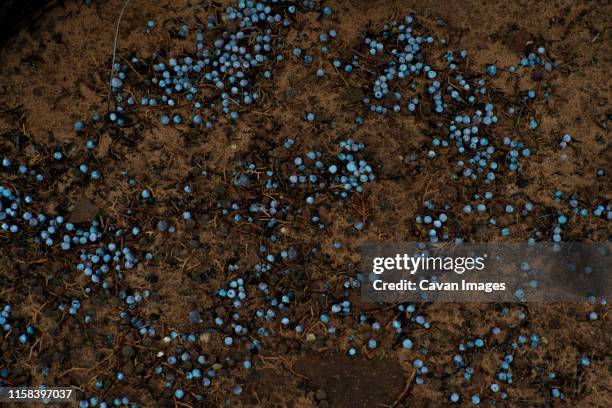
56 70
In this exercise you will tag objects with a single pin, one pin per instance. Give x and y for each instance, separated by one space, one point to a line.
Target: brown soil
56 72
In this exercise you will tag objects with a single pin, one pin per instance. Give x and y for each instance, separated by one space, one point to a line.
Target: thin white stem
110 80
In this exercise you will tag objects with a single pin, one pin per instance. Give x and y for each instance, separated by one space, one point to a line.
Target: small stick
406 388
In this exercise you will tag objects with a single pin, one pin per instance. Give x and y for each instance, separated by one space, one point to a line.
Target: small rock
320 394
83 211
